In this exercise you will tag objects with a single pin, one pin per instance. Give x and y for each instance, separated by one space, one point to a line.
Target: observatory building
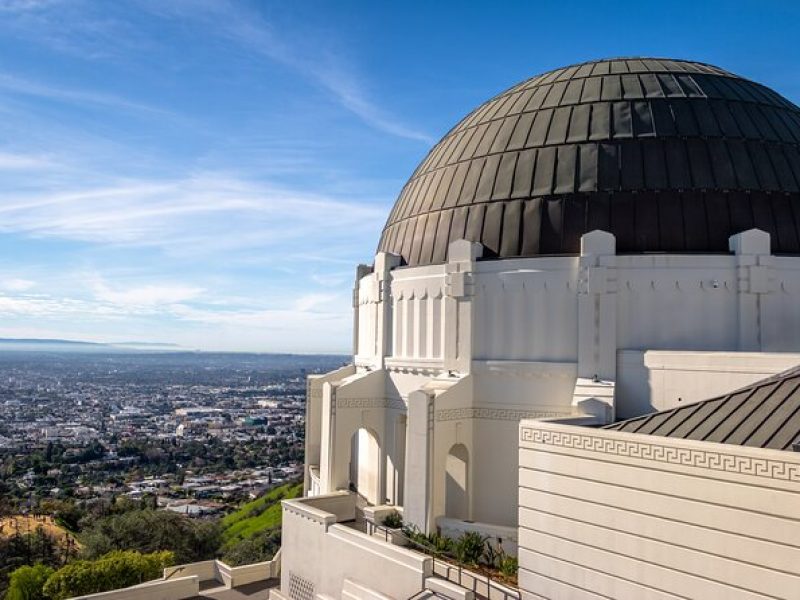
565 298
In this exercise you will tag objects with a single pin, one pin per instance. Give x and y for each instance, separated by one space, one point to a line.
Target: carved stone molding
415 366
689 457
393 403
495 414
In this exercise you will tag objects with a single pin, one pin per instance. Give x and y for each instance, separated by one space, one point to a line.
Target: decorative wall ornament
392 403
689 457
411 366
300 588
408 290
495 414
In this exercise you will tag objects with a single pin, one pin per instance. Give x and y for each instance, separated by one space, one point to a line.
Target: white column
458 315
327 474
417 500
597 326
755 278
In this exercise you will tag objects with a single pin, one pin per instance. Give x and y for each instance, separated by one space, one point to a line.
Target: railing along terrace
449 567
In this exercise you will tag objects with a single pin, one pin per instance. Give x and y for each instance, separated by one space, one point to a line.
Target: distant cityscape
196 432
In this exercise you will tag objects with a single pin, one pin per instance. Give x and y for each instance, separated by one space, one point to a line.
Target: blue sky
210 172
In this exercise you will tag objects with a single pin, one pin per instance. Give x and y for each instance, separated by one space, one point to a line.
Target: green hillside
261 514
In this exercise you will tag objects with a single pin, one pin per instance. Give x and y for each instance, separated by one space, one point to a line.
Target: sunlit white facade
479 370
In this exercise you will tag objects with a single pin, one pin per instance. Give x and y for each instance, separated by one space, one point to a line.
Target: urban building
571 269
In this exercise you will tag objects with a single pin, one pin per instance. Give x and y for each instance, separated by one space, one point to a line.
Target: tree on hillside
27 583
262 546
151 531
25 549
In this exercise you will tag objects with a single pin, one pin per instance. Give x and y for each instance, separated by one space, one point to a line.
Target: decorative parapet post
597 326
384 263
459 289
361 272
755 278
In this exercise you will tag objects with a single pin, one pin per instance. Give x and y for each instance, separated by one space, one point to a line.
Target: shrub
27 583
509 565
440 544
469 547
435 543
115 570
393 520
415 535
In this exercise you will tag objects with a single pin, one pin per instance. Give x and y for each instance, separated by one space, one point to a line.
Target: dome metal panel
668 155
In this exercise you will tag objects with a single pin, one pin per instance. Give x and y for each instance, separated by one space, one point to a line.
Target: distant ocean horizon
80 346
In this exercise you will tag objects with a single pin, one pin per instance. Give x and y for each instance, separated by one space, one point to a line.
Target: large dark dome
668 155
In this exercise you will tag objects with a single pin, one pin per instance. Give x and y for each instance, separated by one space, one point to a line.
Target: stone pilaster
327 460
597 326
755 278
417 500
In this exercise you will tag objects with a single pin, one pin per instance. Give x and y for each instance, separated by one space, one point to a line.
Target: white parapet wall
319 553
227 575
655 380
203 570
606 514
173 589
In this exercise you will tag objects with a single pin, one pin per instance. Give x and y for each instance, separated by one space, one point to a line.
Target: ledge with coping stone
182 588
325 509
229 576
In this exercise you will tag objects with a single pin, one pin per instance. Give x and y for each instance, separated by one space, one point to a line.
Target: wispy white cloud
205 212
147 295
17 284
22 162
19 85
310 58
22 6
81 28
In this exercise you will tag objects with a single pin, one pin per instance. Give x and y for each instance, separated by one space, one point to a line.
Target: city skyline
208 173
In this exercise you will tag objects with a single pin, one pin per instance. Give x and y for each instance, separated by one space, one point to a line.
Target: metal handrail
438 557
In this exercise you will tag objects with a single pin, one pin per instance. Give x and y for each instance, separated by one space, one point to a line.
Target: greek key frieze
705 459
393 403
493 414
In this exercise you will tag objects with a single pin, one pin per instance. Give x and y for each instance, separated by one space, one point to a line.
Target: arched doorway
456 490
365 465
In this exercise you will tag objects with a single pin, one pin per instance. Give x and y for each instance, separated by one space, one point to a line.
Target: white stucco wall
655 380
605 514
526 309
319 554
541 337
